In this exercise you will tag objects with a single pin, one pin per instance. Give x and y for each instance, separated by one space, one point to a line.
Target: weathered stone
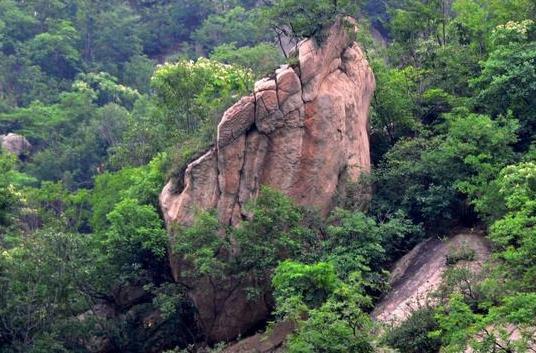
281 167
264 85
201 192
230 162
295 118
270 342
225 310
129 295
315 60
291 103
417 276
256 149
236 120
288 84
267 117
15 144
98 344
305 136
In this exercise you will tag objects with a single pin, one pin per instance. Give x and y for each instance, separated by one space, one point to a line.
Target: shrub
463 253
411 336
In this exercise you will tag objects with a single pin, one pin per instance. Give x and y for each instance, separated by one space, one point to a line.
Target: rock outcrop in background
15 144
303 131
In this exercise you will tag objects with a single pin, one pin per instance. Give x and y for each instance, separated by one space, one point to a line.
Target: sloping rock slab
419 273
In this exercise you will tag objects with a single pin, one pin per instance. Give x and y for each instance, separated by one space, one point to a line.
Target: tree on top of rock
305 19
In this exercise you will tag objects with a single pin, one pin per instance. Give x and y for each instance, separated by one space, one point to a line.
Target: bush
339 324
411 336
463 253
311 284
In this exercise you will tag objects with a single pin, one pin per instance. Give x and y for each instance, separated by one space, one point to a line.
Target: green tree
137 73
18 25
328 312
135 230
238 26
261 58
141 183
306 285
508 75
514 233
115 38
412 335
393 109
426 177
194 94
8 197
41 281
56 51
298 19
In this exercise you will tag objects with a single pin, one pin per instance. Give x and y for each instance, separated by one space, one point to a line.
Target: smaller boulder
16 144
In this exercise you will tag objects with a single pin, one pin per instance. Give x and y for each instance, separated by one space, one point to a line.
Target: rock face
15 144
420 272
269 342
303 131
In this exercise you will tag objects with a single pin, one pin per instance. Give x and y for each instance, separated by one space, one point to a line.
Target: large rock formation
303 131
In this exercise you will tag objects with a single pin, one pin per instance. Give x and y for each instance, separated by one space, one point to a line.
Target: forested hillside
104 102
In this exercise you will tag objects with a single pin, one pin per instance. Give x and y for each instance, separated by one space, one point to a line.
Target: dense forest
114 98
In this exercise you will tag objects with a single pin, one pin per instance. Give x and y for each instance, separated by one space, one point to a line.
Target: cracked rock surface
302 131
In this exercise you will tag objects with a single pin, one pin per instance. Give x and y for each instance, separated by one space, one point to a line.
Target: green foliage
412 335
301 19
133 229
114 38
137 73
40 281
144 137
311 285
141 183
238 26
164 24
426 176
52 204
354 243
460 327
194 94
514 233
104 89
8 197
508 75
262 58
201 245
327 331
452 141
462 253
76 161
55 51
338 324
394 101
40 122
483 314
455 325
273 233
